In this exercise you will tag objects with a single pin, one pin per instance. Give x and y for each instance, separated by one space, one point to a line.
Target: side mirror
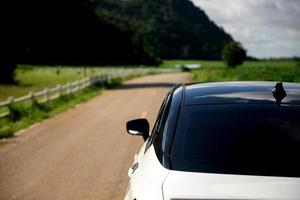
138 127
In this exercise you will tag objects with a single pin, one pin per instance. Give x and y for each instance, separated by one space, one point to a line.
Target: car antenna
278 92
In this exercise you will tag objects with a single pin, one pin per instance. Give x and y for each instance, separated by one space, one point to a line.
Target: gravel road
83 153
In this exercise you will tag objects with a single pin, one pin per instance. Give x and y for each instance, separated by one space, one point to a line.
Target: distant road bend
83 153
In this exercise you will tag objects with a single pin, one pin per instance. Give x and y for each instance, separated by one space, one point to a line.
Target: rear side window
238 139
160 122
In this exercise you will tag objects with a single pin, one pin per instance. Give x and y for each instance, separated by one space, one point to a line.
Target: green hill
101 32
168 29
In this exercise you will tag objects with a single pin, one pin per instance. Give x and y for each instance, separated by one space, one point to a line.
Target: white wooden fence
49 94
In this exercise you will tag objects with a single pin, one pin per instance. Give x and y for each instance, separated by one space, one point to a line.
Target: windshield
238 139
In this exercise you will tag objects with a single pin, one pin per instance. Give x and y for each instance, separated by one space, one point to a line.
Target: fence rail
49 94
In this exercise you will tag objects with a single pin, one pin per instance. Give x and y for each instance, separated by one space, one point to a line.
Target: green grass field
208 63
33 79
277 70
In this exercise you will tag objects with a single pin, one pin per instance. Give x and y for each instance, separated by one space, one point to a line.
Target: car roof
238 93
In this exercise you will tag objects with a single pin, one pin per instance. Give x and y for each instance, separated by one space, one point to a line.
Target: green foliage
19 111
166 29
16 112
233 54
5 130
118 32
39 106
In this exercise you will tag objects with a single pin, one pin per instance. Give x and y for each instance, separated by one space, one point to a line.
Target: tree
7 73
233 54
7 63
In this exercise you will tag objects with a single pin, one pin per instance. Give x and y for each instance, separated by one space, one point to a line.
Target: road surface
83 153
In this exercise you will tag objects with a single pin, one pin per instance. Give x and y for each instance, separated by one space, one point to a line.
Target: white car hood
195 186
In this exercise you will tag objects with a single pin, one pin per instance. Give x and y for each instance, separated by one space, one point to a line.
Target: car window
157 140
158 123
238 139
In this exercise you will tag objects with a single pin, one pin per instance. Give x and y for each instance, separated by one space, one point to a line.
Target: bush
6 131
16 112
233 54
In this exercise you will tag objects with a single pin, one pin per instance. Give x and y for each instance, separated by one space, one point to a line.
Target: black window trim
173 101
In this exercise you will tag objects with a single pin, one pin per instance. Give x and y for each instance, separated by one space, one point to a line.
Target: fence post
80 84
88 81
31 95
84 82
10 100
91 80
58 90
107 78
68 88
77 85
46 94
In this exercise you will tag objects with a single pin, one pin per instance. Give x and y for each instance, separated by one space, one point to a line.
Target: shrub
16 112
233 54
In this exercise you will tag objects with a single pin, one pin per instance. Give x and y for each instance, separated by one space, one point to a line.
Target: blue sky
266 28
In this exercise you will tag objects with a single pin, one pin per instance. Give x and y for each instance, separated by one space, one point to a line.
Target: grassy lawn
285 71
36 79
282 70
208 63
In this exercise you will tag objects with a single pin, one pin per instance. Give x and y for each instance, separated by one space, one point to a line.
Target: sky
266 28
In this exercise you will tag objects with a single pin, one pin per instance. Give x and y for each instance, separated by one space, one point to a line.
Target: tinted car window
157 126
238 139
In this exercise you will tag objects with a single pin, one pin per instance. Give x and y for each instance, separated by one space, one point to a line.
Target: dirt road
85 152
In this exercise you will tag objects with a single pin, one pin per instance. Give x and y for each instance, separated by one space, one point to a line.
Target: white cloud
266 28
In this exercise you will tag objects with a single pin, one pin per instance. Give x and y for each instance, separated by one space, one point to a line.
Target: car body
224 140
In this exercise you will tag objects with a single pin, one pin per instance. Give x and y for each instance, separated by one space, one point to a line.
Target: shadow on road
146 85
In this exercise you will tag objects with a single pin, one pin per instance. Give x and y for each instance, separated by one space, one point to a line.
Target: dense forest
167 29
95 32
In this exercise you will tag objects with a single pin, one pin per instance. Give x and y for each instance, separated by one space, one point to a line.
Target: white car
220 141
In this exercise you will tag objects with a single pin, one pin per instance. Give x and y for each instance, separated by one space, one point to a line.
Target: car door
147 174
154 133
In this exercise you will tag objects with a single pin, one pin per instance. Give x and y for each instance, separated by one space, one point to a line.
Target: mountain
102 32
167 29
65 32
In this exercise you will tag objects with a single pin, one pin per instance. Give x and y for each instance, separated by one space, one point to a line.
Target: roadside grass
208 63
284 73
270 70
23 115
